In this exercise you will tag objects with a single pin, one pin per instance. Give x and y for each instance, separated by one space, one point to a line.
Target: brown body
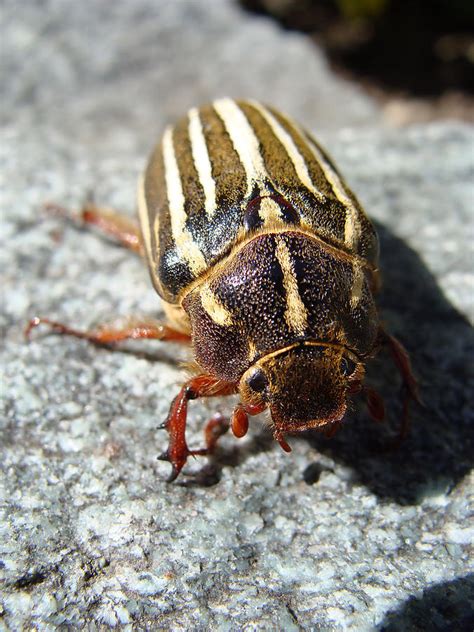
266 262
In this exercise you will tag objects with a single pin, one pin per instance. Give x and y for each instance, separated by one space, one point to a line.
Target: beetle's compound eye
257 381
347 367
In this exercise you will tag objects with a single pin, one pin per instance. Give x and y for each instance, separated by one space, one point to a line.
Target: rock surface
338 535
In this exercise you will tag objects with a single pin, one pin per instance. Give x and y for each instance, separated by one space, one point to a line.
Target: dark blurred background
415 56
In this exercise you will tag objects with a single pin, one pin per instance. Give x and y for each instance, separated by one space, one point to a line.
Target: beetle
266 264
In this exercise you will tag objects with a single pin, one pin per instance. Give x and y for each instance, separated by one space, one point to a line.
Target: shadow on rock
446 607
210 474
439 450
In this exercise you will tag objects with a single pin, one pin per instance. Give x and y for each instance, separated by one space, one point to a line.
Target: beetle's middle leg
130 328
119 227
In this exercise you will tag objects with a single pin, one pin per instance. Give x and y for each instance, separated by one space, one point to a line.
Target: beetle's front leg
115 331
178 451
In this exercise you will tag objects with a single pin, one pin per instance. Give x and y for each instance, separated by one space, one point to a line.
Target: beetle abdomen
278 289
234 169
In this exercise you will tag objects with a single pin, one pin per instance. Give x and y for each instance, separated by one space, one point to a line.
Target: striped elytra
229 170
267 266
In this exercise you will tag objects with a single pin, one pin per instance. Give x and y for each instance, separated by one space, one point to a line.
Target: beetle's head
305 386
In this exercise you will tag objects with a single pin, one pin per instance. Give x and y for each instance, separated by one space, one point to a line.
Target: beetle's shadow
446 606
439 450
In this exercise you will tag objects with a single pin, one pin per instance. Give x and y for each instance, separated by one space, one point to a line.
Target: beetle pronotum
266 264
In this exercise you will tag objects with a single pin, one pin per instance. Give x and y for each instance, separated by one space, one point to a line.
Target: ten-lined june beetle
266 264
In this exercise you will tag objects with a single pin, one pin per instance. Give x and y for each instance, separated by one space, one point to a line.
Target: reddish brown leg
122 329
375 403
278 436
217 426
178 451
401 360
120 227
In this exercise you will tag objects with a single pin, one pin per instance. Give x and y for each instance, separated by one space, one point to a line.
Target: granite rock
341 534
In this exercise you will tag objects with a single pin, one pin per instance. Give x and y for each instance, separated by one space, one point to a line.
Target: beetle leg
375 403
401 360
278 436
129 328
178 451
217 426
120 227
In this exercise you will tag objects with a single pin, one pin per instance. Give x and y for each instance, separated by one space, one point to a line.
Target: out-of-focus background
415 58
339 535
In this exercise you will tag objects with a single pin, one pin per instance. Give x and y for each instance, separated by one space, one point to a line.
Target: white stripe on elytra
151 255
184 241
202 161
352 227
244 140
291 149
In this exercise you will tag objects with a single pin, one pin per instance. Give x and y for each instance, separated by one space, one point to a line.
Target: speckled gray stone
339 535
112 76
